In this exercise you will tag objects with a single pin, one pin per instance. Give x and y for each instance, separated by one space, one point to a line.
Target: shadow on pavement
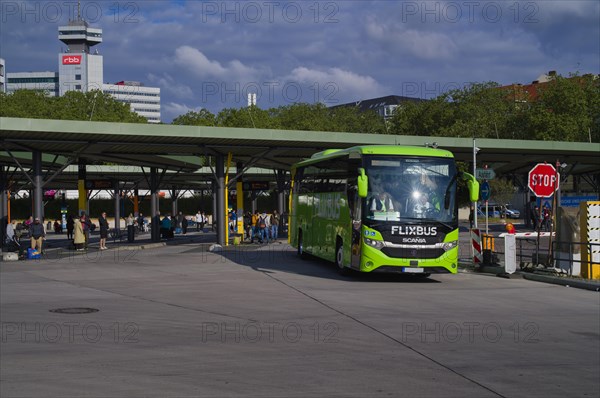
282 258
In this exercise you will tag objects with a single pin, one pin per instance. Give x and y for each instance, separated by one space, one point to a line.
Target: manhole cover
75 310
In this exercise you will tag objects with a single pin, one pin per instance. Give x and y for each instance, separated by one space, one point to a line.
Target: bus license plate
414 270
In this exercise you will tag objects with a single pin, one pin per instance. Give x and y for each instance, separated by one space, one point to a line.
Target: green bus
379 208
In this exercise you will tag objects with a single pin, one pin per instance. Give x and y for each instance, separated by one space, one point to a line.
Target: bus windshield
410 189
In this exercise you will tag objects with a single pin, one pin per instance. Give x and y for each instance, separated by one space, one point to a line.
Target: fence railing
558 255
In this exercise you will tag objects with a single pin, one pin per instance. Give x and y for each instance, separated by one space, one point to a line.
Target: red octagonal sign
543 180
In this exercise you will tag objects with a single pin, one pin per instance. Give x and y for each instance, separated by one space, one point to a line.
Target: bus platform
57 245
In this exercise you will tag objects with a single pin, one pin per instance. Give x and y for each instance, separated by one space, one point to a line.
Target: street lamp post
556 256
475 150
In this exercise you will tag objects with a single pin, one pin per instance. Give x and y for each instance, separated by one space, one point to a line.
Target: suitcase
33 254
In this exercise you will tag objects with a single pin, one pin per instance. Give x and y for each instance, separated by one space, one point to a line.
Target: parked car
511 213
492 212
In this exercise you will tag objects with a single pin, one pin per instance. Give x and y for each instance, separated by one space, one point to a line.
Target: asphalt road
259 322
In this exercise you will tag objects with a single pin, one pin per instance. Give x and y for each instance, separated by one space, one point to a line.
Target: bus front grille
396 252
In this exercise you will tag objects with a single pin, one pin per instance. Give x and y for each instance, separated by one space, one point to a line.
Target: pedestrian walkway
57 245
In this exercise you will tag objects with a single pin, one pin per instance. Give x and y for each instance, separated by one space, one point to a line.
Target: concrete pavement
256 321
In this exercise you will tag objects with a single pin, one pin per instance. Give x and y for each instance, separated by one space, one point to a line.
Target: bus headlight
449 245
377 244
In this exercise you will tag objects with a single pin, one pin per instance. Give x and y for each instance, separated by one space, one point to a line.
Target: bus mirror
473 190
363 183
473 186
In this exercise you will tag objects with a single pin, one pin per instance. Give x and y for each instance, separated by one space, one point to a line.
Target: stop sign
543 180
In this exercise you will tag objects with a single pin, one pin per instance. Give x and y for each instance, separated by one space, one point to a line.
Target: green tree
202 117
74 105
94 106
480 110
27 104
502 190
303 116
247 117
568 109
352 120
428 118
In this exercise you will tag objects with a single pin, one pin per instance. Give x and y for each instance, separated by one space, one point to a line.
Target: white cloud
421 44
168 84
347 85
172 109
196 62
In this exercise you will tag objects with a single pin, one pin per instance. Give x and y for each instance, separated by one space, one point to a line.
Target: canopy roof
181 148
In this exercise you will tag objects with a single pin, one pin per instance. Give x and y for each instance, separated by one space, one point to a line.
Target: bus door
308 215
355 206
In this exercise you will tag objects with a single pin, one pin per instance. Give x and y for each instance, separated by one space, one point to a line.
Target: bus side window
352 198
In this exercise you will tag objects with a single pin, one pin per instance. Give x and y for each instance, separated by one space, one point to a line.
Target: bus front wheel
301 252
339 258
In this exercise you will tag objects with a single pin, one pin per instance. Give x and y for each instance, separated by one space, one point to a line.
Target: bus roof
397 150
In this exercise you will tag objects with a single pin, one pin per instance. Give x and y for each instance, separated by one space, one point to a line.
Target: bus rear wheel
339 258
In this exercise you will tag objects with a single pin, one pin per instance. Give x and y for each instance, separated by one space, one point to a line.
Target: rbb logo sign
71 59
543 180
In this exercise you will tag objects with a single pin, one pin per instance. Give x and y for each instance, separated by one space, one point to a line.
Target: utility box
590 238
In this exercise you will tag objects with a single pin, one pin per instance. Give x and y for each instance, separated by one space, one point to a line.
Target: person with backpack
275 225
167 227
264 227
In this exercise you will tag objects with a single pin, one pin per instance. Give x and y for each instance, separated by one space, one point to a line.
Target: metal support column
221 220
281 175
213 186
154 209
174 198
281 202
136 203
254 197
240 199
117 209
81 176
38 204
3 205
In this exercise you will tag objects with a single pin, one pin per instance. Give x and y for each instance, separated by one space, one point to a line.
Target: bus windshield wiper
427 220
414 219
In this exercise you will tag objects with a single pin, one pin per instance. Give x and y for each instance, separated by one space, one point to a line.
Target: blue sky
210 54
